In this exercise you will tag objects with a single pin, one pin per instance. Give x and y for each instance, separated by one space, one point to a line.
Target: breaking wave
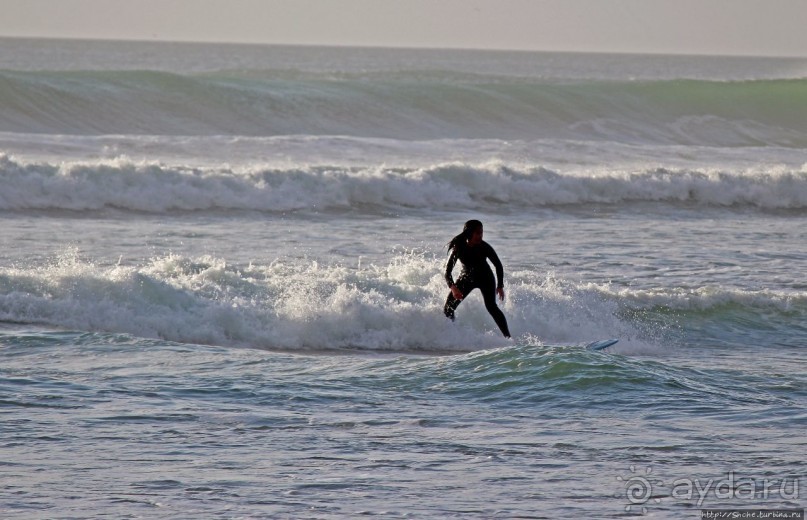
154 187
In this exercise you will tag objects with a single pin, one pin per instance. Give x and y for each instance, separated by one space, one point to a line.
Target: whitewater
221 285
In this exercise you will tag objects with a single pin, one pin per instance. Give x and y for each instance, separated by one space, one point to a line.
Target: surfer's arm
498 265
452 260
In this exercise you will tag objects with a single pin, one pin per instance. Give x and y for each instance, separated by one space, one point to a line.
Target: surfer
474 253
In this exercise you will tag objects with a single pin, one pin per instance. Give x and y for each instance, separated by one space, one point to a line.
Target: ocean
221 282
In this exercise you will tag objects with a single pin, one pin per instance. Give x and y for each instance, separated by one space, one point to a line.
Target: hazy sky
750 27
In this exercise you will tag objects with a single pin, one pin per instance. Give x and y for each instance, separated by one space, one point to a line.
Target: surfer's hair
467 232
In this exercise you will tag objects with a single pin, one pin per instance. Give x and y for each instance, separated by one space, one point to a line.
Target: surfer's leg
489 293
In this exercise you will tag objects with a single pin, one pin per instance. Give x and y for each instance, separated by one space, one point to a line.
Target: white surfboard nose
601 344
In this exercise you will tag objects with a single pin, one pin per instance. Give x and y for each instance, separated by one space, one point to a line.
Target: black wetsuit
475 274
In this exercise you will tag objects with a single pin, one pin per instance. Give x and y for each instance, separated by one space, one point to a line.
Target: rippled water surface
221 284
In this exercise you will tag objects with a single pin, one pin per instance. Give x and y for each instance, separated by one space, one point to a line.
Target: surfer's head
470 228
472 231
471 234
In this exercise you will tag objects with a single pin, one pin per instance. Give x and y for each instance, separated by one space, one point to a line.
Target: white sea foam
155 187
305 306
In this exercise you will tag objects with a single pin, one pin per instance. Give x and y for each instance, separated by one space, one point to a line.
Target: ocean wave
298 306
404 105
154 187
302 306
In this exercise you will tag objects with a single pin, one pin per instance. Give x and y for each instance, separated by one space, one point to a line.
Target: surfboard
601 344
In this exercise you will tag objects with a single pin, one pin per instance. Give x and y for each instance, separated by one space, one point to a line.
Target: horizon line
394 47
